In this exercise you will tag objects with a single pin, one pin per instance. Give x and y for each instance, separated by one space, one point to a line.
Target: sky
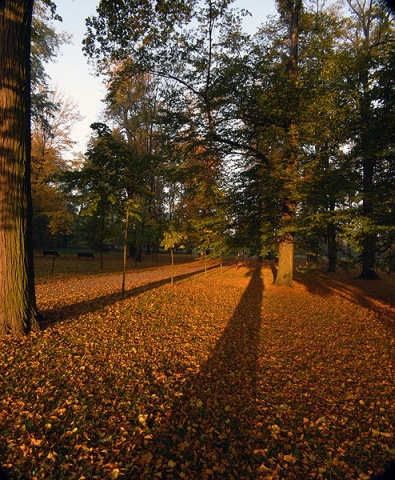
72 76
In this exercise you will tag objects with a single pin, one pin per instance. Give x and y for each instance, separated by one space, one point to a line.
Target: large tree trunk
369 241
331 234
286 242
332 246
18 313
285 262
367 147
368 258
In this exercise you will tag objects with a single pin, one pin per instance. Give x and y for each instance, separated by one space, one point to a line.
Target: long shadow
208 431
363 290
364 293
58 314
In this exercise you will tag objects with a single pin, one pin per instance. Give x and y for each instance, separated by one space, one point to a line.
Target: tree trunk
367 148
172 266
125 249
331 234
332 247
286 242
369 241
285 262
102 228
18 312
368 258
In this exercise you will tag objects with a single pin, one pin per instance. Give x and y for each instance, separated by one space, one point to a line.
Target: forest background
236 141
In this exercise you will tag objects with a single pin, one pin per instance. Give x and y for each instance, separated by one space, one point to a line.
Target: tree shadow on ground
376 295
208 431
61 313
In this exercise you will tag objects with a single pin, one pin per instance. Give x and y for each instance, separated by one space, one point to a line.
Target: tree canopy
299 103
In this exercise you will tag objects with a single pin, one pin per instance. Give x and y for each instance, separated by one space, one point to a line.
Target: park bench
50 253
86 255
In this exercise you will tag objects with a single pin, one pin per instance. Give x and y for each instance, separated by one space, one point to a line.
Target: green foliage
45 41
60 223
173 238
120 27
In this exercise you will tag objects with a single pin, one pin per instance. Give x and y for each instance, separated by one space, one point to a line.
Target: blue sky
72 76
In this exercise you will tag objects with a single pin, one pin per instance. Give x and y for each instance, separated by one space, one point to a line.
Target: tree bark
18 312
125 247
286 241
367 148
332 247
172 265
331 234
369 241
368 166
368 203
368 258
285 262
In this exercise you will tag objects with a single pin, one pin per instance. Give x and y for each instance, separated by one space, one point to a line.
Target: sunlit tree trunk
285 262
286 245
18 313
286 242
125 250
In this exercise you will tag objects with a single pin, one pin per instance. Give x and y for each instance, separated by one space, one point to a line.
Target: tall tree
111 185
45 40
45 43
201 207
100 185
132 108
50 140
291 10
192 57
270 108
326 177
370 46
18 312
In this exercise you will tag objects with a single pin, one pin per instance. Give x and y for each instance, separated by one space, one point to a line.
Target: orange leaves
275 430
217 378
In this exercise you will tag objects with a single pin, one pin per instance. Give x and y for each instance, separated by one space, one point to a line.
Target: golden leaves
142 418
200 381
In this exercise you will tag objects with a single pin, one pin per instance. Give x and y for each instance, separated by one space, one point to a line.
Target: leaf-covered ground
223 376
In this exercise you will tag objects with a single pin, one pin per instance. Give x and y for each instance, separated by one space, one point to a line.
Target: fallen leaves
224 377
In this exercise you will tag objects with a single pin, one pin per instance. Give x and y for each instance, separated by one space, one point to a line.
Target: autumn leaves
224 376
